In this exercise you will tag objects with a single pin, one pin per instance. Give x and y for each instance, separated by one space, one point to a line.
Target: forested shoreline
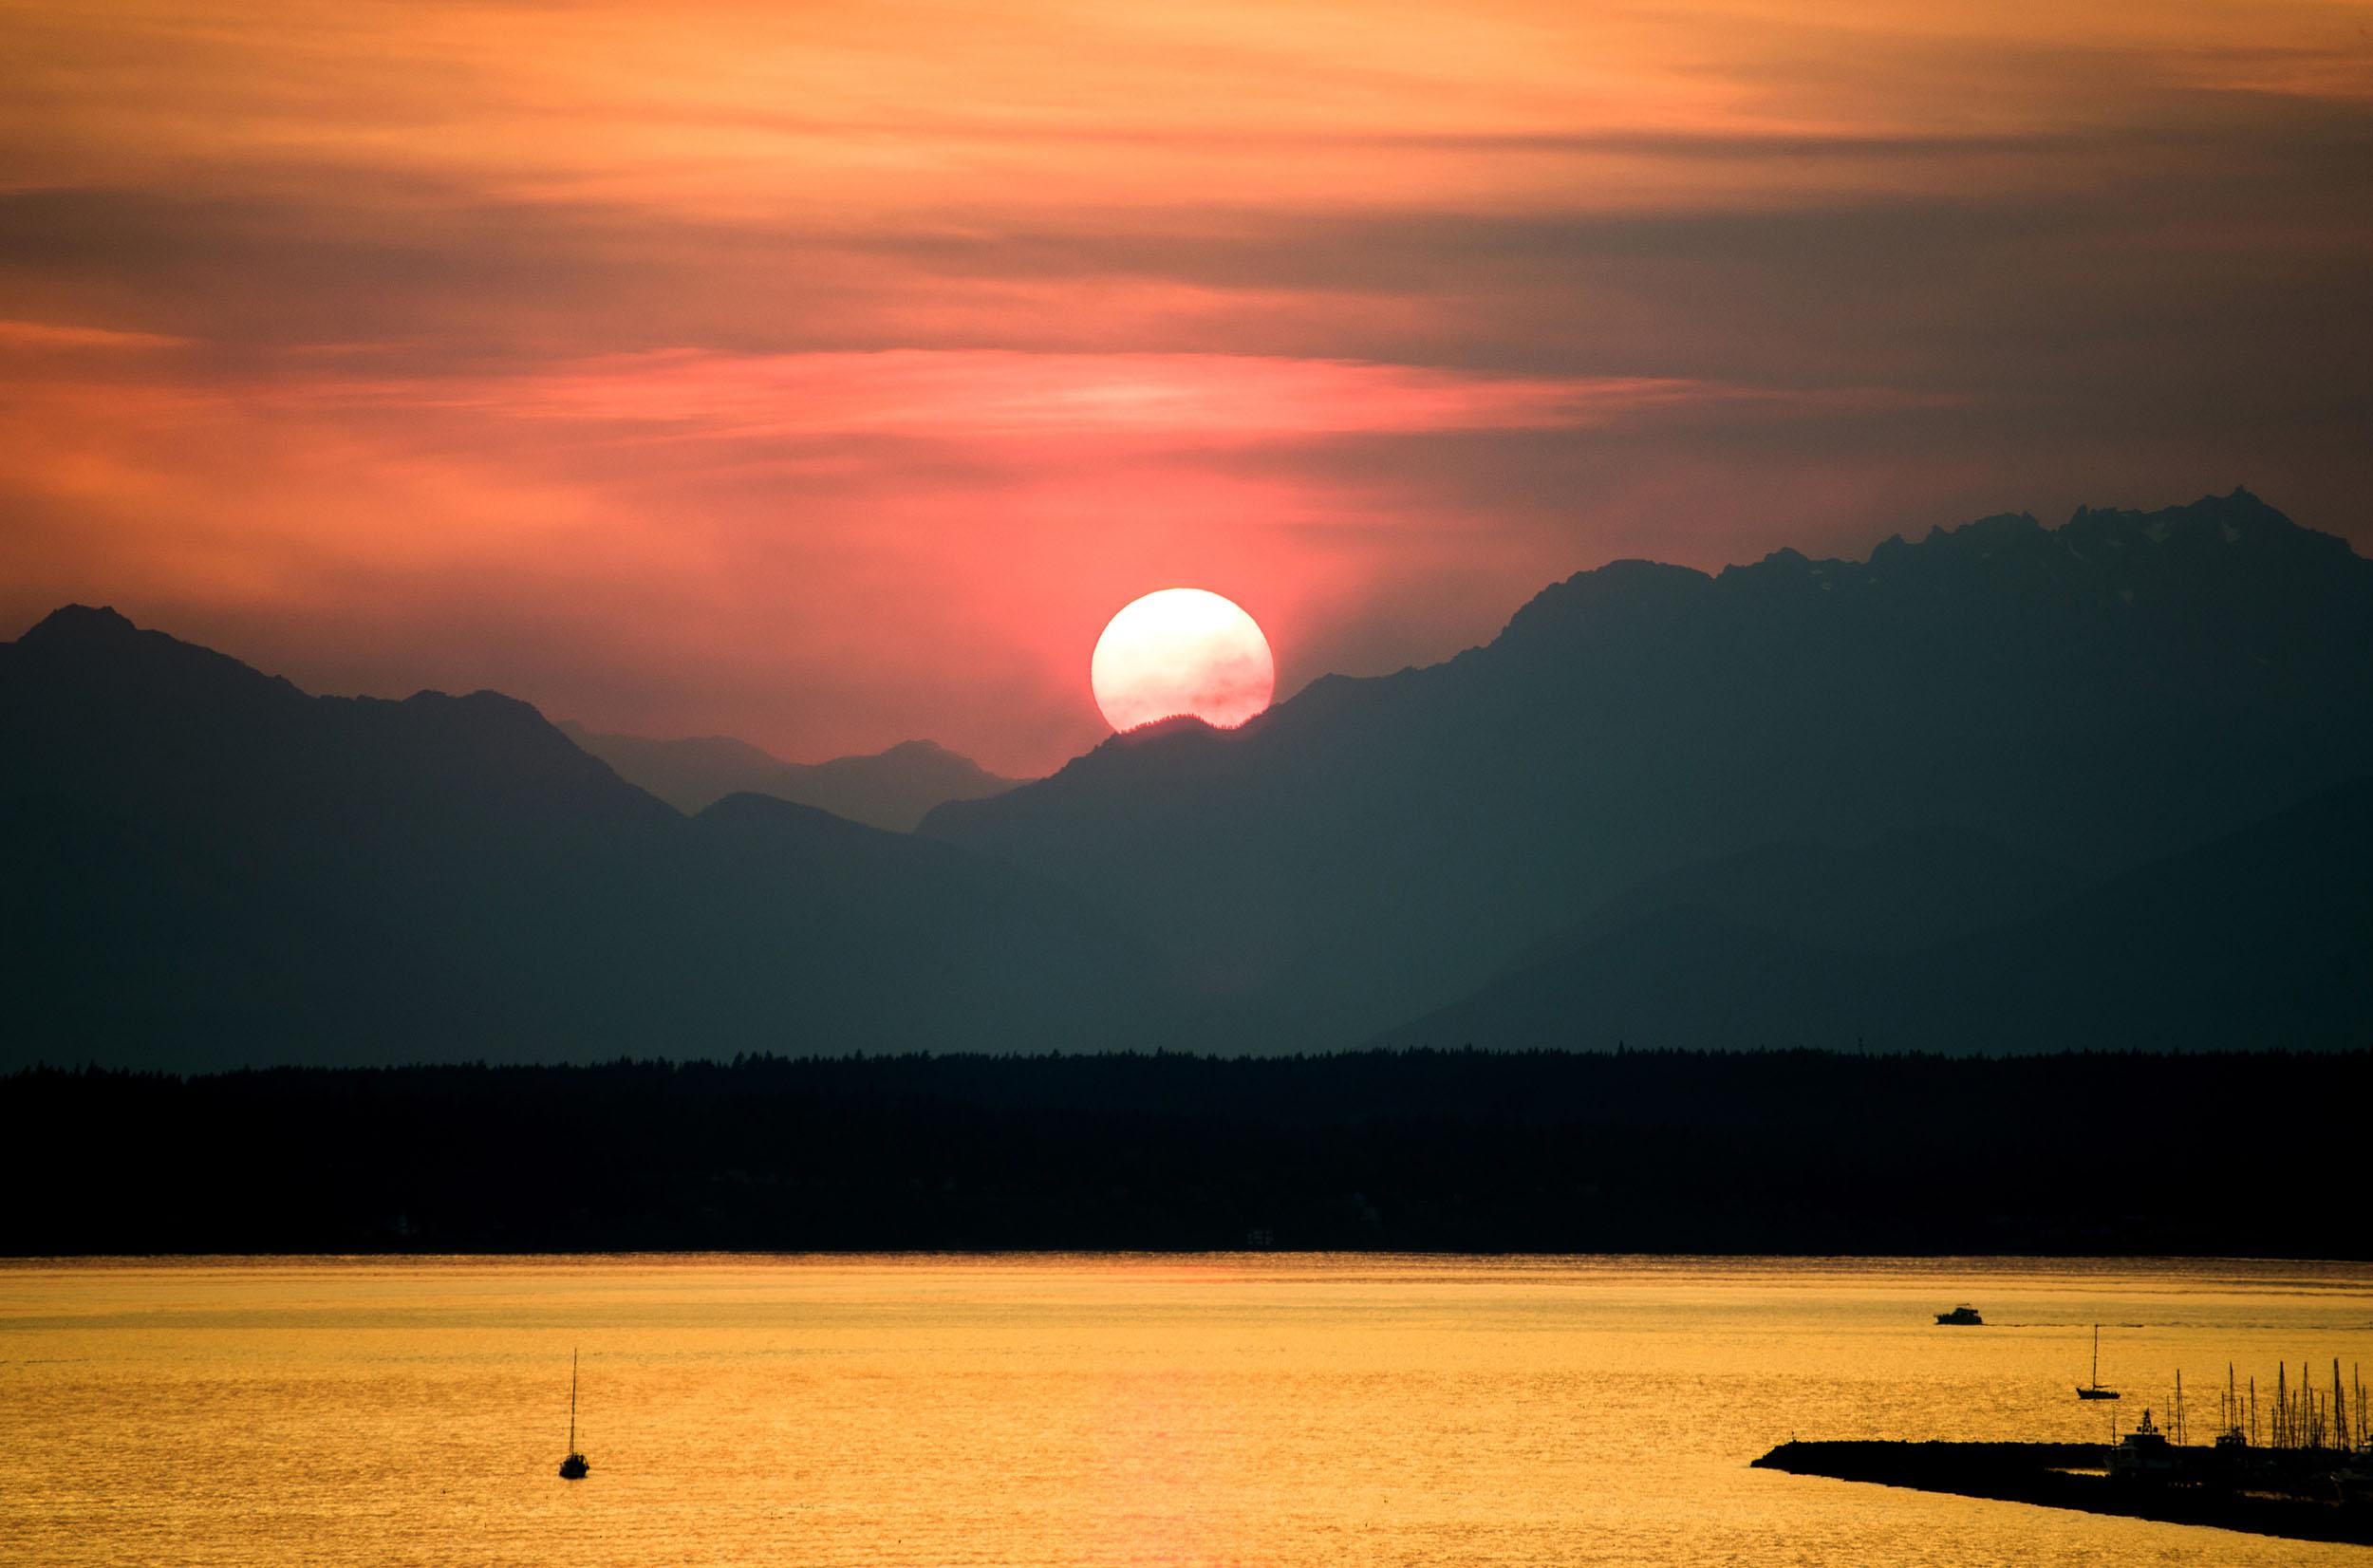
1418 1150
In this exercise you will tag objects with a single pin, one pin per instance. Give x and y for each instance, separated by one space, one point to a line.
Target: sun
1182 651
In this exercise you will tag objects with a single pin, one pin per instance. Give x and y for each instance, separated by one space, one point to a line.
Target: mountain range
2092 697
208 866
2009 787
892 788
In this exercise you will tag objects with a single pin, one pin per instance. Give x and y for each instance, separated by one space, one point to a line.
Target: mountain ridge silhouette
214 868
2095 695
1818 774
894 787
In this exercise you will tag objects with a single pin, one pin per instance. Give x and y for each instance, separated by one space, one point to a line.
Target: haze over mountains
207 866
2091 697
891 789
2007 788
2260 939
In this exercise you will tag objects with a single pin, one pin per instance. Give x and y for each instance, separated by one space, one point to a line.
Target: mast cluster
2298 1415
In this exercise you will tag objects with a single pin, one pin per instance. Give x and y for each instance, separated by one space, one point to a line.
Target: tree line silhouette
1419 1150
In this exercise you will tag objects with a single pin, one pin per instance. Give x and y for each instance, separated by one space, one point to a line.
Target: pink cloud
984 394
37 336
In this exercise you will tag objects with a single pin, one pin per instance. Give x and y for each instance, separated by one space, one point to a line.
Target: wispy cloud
828 372
48 336
984 395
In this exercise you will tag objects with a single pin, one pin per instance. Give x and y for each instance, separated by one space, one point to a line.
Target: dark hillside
2091 697
2263 939
208 867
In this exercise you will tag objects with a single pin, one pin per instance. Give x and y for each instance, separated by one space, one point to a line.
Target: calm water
1058 1410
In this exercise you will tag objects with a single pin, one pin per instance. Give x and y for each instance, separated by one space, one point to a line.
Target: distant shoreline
1396 1154
1808 1261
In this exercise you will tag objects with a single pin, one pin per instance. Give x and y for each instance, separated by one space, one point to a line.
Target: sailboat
572 1467
2094 1390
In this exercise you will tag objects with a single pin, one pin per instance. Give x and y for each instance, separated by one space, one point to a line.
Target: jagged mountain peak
1611 593
2082 704
890 789
82 644
494 722
1178 746
207 869
80 624
1621 586
1154 731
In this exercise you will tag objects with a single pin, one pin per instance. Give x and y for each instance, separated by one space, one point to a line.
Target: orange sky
827 374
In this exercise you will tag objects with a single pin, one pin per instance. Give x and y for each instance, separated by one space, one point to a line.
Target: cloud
38 337
983 395
828 374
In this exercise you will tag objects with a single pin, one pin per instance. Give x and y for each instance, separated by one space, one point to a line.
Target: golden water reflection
1060 1410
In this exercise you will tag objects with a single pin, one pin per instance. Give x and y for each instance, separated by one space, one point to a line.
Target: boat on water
2144 1453
2093 1389
1963 1313
574 1468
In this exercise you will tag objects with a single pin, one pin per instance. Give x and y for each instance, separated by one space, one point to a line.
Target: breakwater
2073 1475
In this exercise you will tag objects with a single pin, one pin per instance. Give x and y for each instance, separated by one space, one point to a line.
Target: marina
2305 1475
2076 1476
2298 1495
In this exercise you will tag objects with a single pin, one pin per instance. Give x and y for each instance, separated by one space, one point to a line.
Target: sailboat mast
2097 1355
572 1401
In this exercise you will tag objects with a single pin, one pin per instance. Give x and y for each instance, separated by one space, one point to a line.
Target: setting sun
1182 651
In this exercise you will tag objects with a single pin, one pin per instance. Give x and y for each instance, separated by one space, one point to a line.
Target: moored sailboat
2093 1389
574 1468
